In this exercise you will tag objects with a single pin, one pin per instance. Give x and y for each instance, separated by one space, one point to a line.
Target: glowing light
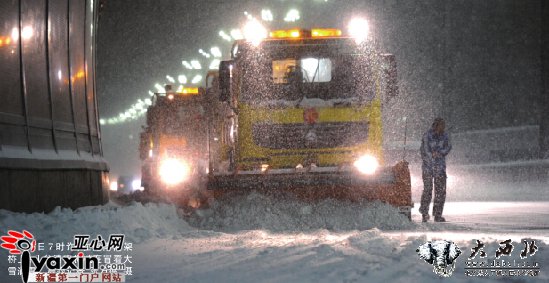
159 88
196 79
59 75
136 185
293 33
359 29
27 32
236 34
187 65
325 32
216 52
225 36
5 40
113 186
80 74
187 90
205 54
15 34
292 16
266 15
182 79
102 122
196 64
170 79
173 171
248 15
215 64
366 164
254 32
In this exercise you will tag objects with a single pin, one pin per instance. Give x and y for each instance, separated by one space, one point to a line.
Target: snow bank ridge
138 222
258 211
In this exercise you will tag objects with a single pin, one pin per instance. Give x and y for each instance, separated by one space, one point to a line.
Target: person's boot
424 217
439 219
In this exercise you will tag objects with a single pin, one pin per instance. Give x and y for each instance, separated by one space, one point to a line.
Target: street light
196 64
216 52
292 16
196 79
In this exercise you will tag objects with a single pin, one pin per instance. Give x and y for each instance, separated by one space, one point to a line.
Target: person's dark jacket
434 149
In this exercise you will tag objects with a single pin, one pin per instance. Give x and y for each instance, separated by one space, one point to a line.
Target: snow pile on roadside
257 211
138 222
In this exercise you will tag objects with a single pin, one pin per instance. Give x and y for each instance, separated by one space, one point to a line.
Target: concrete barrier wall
50 147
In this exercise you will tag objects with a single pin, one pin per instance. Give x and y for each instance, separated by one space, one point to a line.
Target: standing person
435 145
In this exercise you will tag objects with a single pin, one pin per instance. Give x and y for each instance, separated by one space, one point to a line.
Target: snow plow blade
389 184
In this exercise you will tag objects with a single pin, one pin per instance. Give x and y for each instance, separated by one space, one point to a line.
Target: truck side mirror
225 74
390 75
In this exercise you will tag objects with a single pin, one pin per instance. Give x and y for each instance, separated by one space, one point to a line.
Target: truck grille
321 135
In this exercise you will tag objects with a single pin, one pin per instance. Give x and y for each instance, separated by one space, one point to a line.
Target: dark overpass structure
50 142
544 121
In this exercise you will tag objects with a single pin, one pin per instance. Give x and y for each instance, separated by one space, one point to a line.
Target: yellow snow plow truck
173 146
301 112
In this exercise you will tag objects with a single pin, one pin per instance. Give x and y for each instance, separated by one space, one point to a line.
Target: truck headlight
254 32
366 164
174 171
359 29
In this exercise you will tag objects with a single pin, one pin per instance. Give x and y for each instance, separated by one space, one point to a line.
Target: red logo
310 116
18 242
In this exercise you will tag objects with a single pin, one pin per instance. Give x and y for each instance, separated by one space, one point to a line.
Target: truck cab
304 97
173 144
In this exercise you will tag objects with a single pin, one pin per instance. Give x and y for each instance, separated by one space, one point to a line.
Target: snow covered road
369 255
283 242
530 218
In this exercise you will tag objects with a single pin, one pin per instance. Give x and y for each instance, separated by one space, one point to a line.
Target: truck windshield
305 70
184 120
306 74
180 116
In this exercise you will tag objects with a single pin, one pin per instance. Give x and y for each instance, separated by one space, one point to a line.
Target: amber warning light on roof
326 32
300 33
188 90
291 33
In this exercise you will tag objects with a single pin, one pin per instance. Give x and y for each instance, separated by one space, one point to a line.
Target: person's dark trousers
440 194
